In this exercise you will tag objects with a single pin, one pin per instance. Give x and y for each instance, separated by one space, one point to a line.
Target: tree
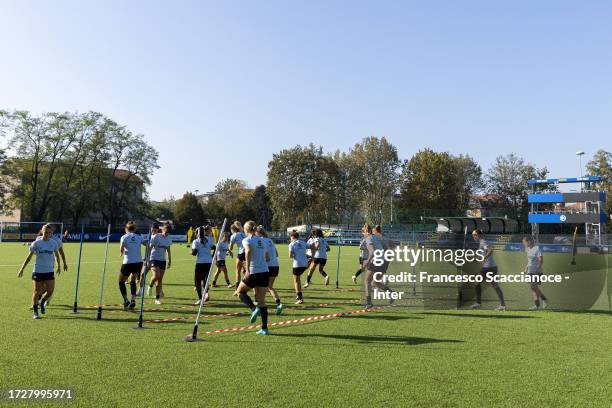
40 144
130 165
163 210
232 195
468 179
429 181
259 204
188 211
229 190
4 183
302 185
214 210
70 165
370 176
601 165
507 178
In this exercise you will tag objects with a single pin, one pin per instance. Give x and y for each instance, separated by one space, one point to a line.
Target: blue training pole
99 317
144 277
338 265
76 288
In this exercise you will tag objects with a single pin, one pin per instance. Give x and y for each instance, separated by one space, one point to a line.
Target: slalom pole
103 274
78 274
416 246
573 262
194 335
338 264
460 271
144 278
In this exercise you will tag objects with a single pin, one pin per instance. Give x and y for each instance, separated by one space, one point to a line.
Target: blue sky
218 87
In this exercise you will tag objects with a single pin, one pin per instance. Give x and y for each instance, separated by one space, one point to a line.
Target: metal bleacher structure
584 206
548 206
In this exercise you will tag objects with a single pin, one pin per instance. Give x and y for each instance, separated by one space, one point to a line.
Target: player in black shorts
257 276
297 251
222 252
43 280
319 248
273 267
130 249
236 238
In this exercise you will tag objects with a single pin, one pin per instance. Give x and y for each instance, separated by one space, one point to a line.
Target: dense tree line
65 166
370 183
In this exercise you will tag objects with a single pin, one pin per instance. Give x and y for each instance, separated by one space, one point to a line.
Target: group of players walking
257 264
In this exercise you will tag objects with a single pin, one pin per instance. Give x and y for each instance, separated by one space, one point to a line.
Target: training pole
103 274
460 271
194 335
143 281
78 274
573 262
338 264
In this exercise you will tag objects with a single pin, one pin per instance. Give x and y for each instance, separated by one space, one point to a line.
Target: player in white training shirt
222 252
488 267
130 246
257 276
43 280
202 248
273 266
297 251
60 244
319 248
534 268
159 249
236 239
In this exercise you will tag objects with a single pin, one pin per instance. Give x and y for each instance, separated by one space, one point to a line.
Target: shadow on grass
376 316
596 312
92 318
397 340
147 309
481 316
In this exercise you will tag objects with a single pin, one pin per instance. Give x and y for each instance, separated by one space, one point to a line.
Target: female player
43 280
373 243
129 248
320 248
534 268
256 277
141 279
297 251
363 256
222 252
159 248
386 243
236 238
309 251
488 266
272 266
202 248
62 254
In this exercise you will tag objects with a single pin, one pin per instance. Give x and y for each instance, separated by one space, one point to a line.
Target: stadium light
580 153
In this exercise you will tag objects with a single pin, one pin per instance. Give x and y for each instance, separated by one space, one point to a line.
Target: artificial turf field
391 357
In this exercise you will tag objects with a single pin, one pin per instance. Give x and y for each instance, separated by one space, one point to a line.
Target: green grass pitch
392 357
